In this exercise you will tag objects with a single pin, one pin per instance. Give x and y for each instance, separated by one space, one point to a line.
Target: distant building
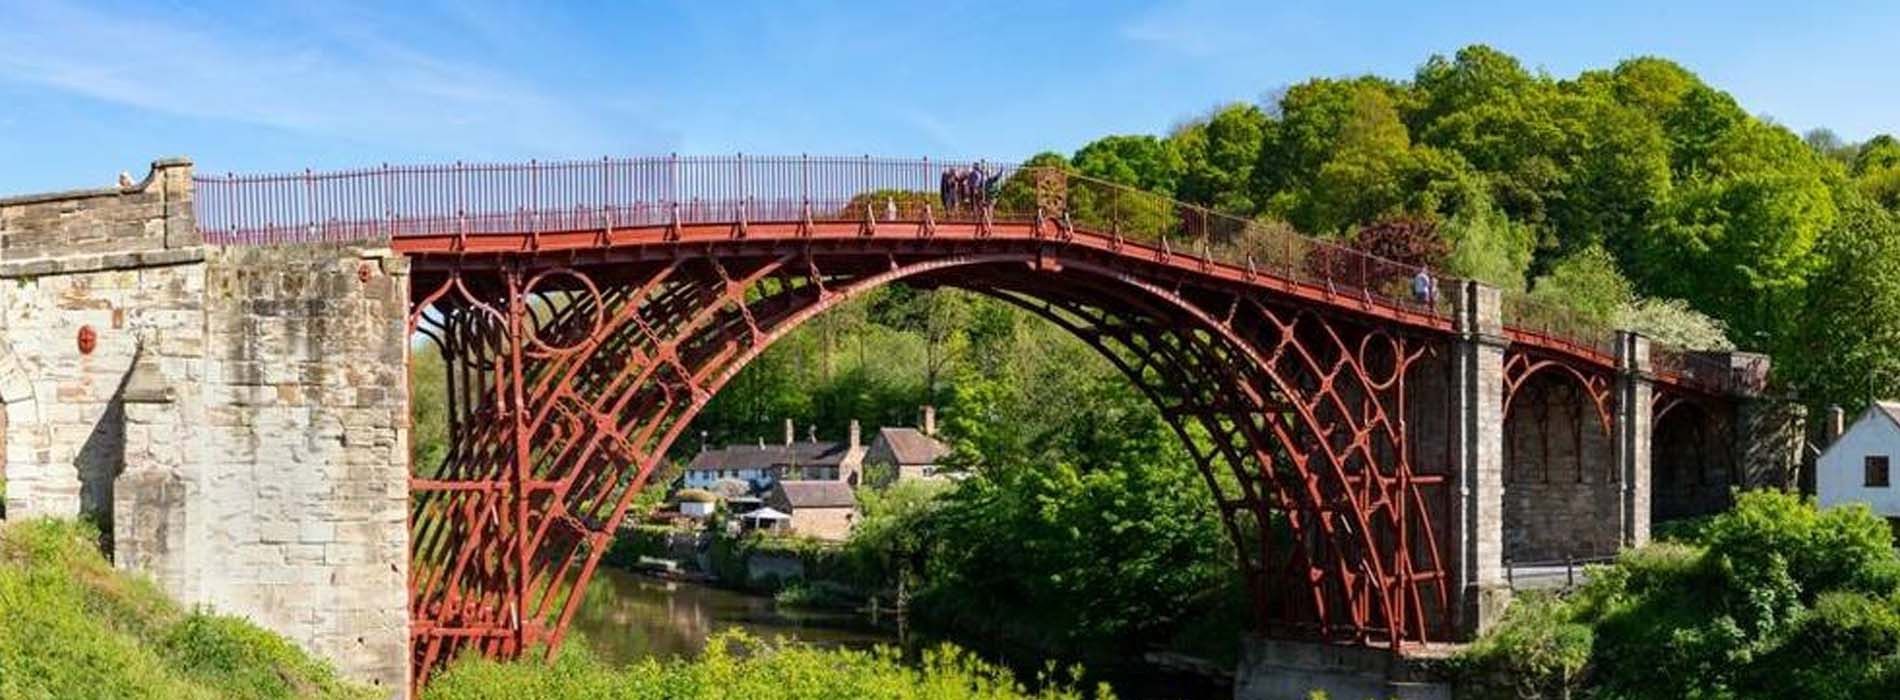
762 465
1858 467
822 509
913 453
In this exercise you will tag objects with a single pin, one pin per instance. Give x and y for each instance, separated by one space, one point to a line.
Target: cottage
822 509
762 465
912 453
1858 467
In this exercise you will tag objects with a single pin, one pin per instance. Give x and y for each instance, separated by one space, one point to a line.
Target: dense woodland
1637 194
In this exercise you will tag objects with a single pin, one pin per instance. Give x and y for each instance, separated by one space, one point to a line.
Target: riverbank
71 626
630 617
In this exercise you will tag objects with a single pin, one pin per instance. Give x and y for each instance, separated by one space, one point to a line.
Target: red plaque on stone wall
88 339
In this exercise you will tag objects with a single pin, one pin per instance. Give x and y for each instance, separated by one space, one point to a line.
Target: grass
737 667
71 626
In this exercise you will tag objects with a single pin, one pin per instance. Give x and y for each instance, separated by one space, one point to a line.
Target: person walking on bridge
1424 288
974 183
947 188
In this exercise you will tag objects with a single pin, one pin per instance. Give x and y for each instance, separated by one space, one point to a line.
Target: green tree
1848 345
1486 245
1144 162
1586 281
1219 153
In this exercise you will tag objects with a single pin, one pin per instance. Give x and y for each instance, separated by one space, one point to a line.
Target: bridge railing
1712 372
1558 325
388 202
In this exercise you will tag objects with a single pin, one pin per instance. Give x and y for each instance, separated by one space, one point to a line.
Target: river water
628 617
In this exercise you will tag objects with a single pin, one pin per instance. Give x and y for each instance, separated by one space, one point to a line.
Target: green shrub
738 666
1774 598
631 543
1538 648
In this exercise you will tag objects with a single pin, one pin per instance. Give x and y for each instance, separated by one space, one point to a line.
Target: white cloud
328 73
1196 28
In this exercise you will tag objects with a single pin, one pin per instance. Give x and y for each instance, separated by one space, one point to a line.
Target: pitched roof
912 446
804 454
817 494
1891 408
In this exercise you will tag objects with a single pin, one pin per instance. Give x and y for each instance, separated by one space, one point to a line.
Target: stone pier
235 419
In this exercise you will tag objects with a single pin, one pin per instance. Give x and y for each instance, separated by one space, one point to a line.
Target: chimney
1835 425
790 433
855 435
930 421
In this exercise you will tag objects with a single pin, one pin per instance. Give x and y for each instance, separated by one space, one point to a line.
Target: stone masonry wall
305 445
1561 493
65 430
239 427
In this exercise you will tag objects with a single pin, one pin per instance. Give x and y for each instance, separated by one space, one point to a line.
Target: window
1877 471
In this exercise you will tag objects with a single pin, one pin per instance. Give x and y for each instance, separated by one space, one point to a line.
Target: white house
1858 467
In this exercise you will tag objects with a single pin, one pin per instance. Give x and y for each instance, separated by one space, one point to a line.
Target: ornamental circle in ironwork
592 300
1371 375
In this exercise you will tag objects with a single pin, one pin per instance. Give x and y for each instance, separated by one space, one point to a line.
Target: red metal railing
389 202
1561 326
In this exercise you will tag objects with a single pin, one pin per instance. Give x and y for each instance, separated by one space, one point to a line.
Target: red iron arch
587 375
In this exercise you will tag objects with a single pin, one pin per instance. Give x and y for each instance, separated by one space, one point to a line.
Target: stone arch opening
1562 492
1693 465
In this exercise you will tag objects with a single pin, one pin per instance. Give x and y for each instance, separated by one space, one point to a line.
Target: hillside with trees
1637 193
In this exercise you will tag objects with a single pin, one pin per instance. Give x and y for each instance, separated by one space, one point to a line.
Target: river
628 617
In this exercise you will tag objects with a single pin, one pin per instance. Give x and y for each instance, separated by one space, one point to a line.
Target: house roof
765 514
817 494
912 446
1891 408
802 454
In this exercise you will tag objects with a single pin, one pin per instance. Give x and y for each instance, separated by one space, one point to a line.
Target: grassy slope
71 626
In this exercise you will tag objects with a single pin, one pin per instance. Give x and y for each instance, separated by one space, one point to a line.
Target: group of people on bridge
974 188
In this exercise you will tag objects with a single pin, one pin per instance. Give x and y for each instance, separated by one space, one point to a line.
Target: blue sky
89 90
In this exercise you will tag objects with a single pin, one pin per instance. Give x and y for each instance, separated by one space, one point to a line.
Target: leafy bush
71 627
738 666
635 542
1538 647
1774 598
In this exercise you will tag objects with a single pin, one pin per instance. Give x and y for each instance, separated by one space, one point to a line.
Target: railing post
534 200
673 180
230 204
607 196
389 207
310 203
1570 569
